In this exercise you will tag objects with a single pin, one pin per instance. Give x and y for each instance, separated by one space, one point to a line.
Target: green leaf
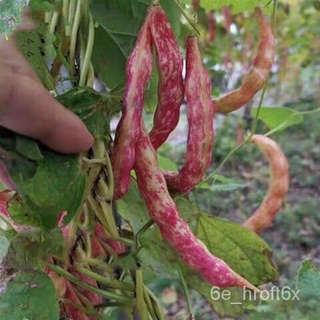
221 183
243 250
43 5
31 249
308 280
35 44
4 246
235 5
151 93
132 208
29 296
28 148
278 117
10 14
166 163
45 187
233 306
91 107
156 256
119 23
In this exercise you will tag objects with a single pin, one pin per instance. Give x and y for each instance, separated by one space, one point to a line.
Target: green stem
157 306
112 283
74 33
65 14
146 227
190 21
71 13
108 215
98 212
48 17
149 303
103 293
110 175
53 22
186 291
256 118
80 307
87 57
142 308
211 175
99 264
90 77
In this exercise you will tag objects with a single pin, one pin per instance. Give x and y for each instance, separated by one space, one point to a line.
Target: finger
27 108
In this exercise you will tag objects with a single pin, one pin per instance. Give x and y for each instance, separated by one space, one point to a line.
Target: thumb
26 107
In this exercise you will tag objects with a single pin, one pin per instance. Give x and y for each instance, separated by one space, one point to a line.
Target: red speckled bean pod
278 184
200 122
227 18
174 229
258 72
211 28
138 72
170 87
101 236
71 311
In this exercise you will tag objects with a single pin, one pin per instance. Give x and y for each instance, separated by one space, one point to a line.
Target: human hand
26 107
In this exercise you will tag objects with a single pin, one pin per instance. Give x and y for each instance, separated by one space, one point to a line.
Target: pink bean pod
258 72
278 184
211 28
170 86
72 311
138 71
173 228
101 235
200 121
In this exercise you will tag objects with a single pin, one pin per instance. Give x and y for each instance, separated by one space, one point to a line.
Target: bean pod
170 87
200 122
138 71
258 72
278 184
173 228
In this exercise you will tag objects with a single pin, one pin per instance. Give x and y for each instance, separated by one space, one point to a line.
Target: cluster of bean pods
135 149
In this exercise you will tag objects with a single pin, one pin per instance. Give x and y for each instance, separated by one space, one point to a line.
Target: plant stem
190 21
112 283
149 303
186 291
74 33
158 308
103 293
87 57
141 305
53 22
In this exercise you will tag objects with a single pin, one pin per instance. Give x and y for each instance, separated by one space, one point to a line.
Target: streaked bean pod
278 184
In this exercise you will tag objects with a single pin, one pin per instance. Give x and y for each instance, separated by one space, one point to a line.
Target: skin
26 107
